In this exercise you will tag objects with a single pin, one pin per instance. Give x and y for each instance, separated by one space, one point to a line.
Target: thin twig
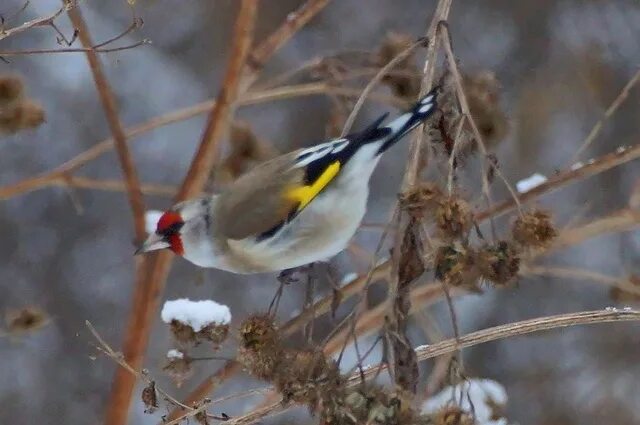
74 49
374 81
38 22
111 111
466 111
592 168
597 128
292 24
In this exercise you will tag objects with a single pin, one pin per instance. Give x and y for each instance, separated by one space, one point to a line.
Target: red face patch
168 220
169 227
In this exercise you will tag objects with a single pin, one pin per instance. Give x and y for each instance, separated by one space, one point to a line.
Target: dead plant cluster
17 111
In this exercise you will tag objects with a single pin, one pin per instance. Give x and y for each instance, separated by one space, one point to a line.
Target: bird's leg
334 281
294 275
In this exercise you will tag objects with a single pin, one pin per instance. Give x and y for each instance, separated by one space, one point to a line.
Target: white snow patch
530 182
577 166
151 218
474 392
196 314
348 278
175 354
421 347
621 149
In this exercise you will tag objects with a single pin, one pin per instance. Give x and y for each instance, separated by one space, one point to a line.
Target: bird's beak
153 243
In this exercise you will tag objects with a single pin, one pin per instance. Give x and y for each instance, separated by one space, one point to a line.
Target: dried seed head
405 78
202 418
246 151
499 263
213 333
11 89
420 199
455 265
534 229
260 351
150 397
454 218
23 115
628 292
179 368
183 333
262 364
308 377
24 320
258 331
483 94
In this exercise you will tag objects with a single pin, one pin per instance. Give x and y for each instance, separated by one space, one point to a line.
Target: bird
291 211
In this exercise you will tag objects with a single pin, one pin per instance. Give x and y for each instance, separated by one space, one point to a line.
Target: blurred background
66 253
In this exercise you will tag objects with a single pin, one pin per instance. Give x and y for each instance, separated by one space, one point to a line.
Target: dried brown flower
499 263
25 320
11 89
482 92
405 79
23 115
186 336
258 331
534 229
247 150
150 397
260 346
453 218
420 199
179 367
456 266
308 377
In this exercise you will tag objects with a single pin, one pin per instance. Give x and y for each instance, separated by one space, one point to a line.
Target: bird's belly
319 232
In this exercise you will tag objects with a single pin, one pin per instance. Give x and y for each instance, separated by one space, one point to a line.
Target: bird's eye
171 222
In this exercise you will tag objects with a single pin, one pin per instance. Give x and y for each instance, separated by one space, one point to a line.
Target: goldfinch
293 210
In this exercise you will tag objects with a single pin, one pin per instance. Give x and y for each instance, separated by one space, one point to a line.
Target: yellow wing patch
305 194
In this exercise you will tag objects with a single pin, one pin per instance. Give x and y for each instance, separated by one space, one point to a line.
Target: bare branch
111 111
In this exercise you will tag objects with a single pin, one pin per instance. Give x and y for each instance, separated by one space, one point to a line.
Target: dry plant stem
111 111
441 14
553 183
38 22
517 329
292 24
464 105
73 50
582 274
597 128
151 279
53 177
112 185
374 82
117 357
404 370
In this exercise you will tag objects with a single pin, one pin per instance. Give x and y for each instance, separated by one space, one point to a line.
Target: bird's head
184 229
168 234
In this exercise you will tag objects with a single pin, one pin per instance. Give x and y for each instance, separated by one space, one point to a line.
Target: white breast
319 232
